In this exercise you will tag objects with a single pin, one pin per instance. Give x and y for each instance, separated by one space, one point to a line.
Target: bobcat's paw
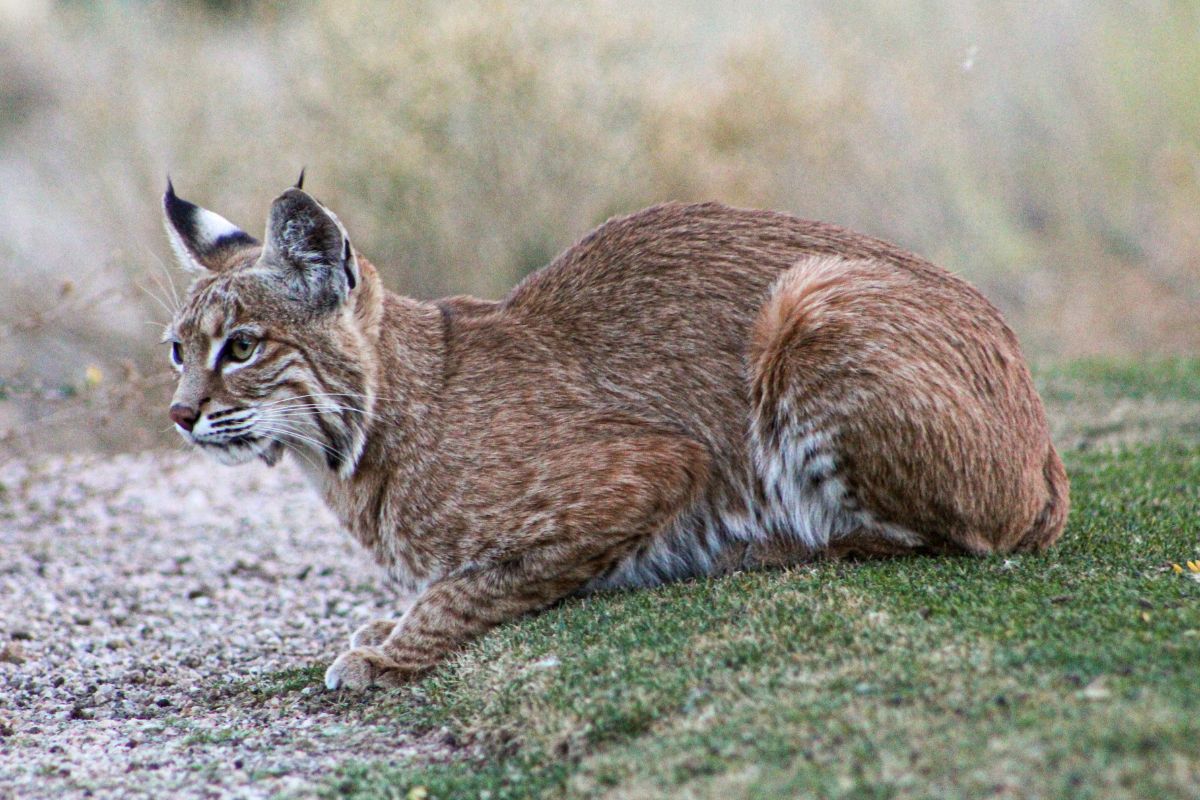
362 668
373 633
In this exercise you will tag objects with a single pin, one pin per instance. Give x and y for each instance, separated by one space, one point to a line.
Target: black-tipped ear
300 181
201 239
307 246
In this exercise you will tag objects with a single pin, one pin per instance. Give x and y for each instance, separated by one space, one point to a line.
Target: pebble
12 653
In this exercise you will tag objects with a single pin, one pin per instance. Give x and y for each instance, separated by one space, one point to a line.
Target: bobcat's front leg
613 497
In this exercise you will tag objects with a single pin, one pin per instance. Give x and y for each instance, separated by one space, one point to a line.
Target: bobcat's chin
242 452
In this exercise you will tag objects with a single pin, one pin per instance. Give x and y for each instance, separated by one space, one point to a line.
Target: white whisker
305 410
165 306
289 432
316 396
166 278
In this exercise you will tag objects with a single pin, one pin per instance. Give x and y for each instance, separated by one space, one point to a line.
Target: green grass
1172 379
1073 673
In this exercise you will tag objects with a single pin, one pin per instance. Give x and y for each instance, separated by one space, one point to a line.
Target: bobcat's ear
307 245
201 239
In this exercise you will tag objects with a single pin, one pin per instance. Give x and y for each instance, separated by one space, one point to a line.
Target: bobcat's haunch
688 390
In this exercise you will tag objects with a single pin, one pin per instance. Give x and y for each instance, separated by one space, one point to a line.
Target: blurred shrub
1049 153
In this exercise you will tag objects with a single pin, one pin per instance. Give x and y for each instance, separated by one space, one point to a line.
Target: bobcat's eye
241 347
176 354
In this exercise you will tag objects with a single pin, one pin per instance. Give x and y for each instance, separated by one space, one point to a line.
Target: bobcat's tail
1050 521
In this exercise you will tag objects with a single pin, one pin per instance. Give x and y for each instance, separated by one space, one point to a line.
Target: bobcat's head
273 341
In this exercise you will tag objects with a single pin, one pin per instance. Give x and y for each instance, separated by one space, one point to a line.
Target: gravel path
134 590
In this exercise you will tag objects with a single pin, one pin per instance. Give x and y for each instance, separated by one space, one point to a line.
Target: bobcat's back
656 313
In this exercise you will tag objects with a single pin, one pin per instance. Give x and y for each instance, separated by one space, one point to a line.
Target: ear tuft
201 239
300 181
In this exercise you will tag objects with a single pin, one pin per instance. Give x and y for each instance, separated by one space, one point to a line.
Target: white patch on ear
210 228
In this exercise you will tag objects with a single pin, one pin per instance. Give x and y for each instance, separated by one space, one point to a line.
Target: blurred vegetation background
1049 152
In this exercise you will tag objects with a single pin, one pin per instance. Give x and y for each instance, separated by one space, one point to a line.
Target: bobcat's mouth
242 439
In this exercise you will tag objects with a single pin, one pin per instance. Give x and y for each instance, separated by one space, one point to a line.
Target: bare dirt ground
133 590
140 595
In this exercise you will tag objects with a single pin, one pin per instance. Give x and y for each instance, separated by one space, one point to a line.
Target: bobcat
689 390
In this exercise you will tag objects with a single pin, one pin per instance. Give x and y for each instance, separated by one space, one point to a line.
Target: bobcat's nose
184 416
